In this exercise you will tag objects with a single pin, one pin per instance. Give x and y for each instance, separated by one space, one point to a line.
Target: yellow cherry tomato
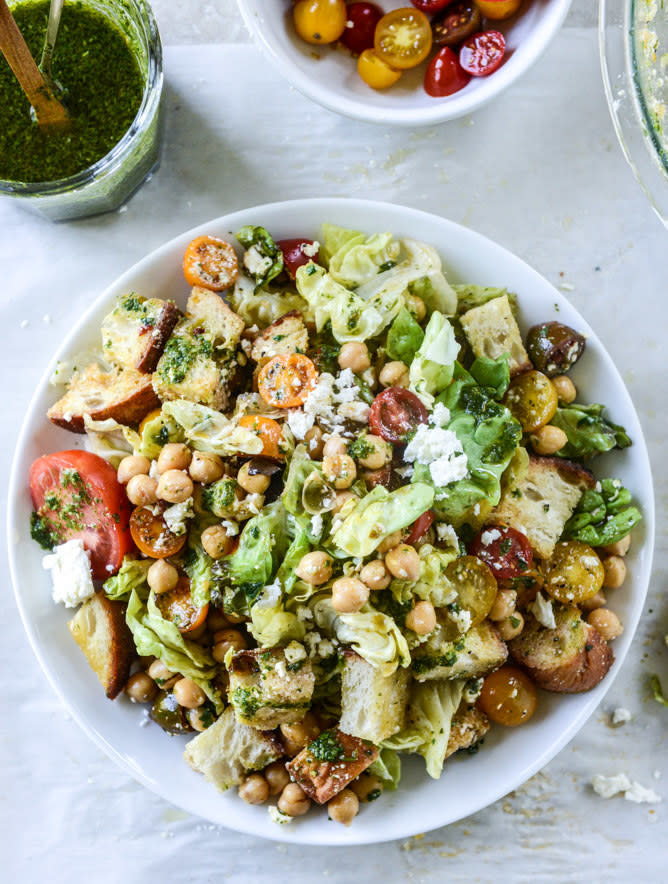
374 71
403 38
320 21
498 9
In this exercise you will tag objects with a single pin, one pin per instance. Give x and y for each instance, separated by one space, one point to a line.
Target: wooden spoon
49 111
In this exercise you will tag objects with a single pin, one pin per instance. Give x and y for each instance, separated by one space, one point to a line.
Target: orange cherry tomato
286 380
320 21
151 534
508 696
177 605
267 429
211 263
403 38
375 71
498 9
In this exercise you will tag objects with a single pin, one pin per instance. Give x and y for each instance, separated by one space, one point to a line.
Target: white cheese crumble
489 536
317 524
69 565
277 816
231 527
447 534
440 416
294 652
462 620
620 716
310 249
177 515
332 400
441 450
255 262
608 787
543 611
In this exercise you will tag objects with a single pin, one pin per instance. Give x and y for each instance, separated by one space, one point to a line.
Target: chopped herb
326 747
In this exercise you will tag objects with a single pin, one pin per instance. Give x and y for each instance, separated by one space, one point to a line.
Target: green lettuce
262 307
110 440
263 242
357 261
603 516
158 432
404 337
432 368
387 767
335 239
208 430
130 578
588 432
262 546
271 624
657 690
494 373
300 468
197 564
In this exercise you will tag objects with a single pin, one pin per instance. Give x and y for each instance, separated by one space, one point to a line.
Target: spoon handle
55 10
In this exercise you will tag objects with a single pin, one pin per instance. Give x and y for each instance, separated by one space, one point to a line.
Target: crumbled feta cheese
177 514
447 534
311 640
620 716
255 262
355 411
310 249
304 613
332 400
325 648
153 470
69 565
280 670
440 416
489 536
277 816
462 619
441 450
294 652
406 471
231 527
608 787
641 794
542 609
317 524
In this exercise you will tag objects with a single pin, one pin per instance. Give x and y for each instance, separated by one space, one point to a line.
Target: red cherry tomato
430 6
293 254
76 495
482 53
444 75
420 527
363 17
505 551
395 412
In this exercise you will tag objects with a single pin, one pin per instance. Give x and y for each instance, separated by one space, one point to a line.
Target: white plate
328 75
468 784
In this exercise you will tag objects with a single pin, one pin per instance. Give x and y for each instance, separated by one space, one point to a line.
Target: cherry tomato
360 27
395 412
177 606
267 429
286 380
475 586
210 262
375 71
482 53
294 256
532 400
459 21
498 9
420 527
382 476
506 551
574 573
444 74
430 6
508 696
76 495
151 534
320 21
403 38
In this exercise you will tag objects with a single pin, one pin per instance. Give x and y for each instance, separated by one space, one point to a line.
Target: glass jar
105 185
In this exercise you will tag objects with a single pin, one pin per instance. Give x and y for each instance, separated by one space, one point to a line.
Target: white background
539 171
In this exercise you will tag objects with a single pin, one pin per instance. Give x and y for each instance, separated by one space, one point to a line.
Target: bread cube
134 334
476 653
329 763
491 331
287 334
267 690
373 706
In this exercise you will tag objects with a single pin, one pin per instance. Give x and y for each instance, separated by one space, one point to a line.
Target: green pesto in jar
103 88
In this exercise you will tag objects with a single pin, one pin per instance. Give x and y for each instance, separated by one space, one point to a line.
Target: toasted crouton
287 334
100 630
373 706
469 726
126 396
267 690
491 331
134 334
542 501
329 763
227 750
474 654
567 660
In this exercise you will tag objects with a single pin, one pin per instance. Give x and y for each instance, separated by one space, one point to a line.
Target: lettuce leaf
494 373
271 624
387 767
603 517
588 432
357 261
432 368
404 337
262 241
130 578
300 468
209 430
158 432
110 440
261 307
336 238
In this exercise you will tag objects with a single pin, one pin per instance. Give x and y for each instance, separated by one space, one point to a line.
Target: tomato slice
395 412
459 21
505 551
430 6
403 38
444 74
286 380
483 53
294 255
420 527
151 534
267 429
177 606
360 26
76 495
210 262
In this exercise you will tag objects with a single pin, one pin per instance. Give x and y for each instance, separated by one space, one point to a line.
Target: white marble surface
541 172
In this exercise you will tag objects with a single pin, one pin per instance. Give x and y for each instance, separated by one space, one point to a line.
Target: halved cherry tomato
151 534
177 606
403 38
76 495
286 380
459 21
498 9
267 429
504 550
319 21
294 256
395 412
210 262
430 6
483 53
444 74
420 527
375 71
362 19
508 696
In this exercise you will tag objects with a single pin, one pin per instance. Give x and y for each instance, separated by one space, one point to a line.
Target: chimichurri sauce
103 86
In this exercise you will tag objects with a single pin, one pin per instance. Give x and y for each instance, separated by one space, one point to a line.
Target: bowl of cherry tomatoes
410 63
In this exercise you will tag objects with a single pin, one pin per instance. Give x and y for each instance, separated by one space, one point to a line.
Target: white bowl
509 757
328 75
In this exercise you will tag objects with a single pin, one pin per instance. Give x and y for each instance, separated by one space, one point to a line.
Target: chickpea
315 568
334 445
188 694
504 604
216 620
510 626
216 541
341 499
565 389
620 548
224 640
416 306
349 595
390 542
206 467
339 469
141 688
596 601
175 486
174 456
256 484
277 777
161 576
605 622
344 807
375 575
380 454
314 443
615 572
133 465
421 618
548 440
394 374
367 787
198 719
294 801
355 356
254 789
142 490
296 737
162 676
403 561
